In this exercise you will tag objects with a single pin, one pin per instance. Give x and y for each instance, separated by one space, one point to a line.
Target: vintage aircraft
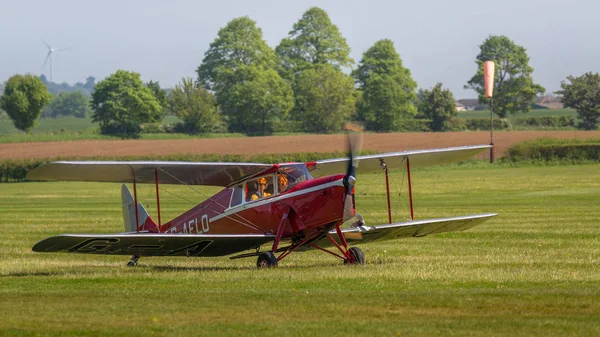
286 207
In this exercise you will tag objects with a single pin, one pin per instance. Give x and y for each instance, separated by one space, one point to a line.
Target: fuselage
312 205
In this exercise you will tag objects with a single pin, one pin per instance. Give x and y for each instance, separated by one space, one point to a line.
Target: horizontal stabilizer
364 234
152 244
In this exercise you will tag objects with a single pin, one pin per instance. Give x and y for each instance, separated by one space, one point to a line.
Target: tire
266 260
357 256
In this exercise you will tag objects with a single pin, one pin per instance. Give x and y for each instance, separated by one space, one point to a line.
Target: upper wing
169 172
407 229
418 158
152 244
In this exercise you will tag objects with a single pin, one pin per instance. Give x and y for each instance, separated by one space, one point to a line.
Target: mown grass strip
531 271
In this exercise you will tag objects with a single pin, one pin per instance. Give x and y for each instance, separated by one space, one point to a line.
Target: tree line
307 83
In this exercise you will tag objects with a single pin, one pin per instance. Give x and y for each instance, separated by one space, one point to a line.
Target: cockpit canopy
270 184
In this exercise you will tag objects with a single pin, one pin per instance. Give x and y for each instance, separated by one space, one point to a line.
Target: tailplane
145 223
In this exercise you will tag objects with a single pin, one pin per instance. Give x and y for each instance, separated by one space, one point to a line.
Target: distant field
72 129
60 125
532 113
378 142
531 271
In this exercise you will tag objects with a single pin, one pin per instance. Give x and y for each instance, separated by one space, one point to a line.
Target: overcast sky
437 40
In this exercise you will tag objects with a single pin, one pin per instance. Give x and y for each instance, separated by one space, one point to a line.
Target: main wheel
356 256
266 260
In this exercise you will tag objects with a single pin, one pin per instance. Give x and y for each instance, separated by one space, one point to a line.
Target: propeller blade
354 147
61 49
47 45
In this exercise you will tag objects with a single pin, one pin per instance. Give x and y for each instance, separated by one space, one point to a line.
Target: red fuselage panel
313 204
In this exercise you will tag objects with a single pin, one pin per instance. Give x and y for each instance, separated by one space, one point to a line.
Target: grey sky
166 40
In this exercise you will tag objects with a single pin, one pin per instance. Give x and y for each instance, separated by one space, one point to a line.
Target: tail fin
145 223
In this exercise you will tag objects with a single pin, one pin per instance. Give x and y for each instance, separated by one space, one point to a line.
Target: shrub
555 150
546 121
476 124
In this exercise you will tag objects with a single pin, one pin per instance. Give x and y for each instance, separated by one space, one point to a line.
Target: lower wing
363 234
152 244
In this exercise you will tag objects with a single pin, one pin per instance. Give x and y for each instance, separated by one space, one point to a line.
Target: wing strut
387 189
157 197
135 200
412 213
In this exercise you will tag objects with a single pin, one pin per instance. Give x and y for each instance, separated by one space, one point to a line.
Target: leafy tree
254 105
239 43
514 90
583 94
70 104
159 93
439 106
121 103
388 89
240 68
325 98
313 40
196 106
23 100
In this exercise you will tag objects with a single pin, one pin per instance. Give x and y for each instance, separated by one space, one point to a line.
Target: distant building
467 104
549 102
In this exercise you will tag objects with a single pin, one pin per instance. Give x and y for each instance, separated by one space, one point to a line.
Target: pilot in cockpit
282 181
261 192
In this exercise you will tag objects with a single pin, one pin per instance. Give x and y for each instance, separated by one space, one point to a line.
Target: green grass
532 113
532 271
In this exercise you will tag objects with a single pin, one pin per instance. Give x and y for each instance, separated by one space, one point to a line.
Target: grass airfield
532 271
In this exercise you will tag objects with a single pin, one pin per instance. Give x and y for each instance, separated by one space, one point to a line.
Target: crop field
378 142
532 271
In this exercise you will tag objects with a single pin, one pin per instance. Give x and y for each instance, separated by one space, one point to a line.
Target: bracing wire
248 224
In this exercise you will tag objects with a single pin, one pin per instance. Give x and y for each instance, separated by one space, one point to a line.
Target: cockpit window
290 175
236 196
259 188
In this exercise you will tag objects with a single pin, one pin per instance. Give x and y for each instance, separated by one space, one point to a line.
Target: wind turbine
49 56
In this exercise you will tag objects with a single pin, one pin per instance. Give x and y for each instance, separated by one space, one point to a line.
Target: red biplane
284 207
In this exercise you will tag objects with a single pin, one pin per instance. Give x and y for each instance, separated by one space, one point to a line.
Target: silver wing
169 172
418 158
364 234
152 244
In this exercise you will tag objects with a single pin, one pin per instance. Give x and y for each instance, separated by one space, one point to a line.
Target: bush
156 128
483 124
414 125
546 121
555 150
287 126
457 124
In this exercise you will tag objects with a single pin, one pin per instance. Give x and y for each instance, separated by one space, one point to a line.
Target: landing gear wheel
266 260
356 256
133 262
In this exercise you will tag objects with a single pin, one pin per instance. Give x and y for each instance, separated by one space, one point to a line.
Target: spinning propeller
354 146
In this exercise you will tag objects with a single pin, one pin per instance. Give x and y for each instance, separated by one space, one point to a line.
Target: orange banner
488 77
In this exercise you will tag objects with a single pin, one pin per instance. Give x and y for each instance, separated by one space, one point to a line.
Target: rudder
145 223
